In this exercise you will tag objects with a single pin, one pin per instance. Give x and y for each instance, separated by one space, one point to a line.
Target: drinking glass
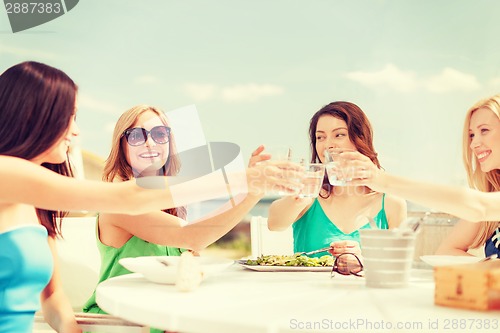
340 171
313 179
280 153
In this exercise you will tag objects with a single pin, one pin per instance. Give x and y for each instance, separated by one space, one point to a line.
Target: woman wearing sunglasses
335 217
481 203
37 113
144 145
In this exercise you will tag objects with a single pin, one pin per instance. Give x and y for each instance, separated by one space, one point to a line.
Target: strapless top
26 267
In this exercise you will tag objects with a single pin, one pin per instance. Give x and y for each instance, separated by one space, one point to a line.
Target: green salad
291 260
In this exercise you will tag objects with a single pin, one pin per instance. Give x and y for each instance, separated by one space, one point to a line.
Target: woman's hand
345 246
275 176
258 157
365 173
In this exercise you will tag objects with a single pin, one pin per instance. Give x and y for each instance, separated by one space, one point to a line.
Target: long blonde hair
483 181
116 167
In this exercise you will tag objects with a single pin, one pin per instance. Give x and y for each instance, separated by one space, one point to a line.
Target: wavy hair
483 181
116 167
358 127
37 103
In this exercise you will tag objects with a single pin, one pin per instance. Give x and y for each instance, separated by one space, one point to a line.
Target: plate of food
165 269
288 263
444 260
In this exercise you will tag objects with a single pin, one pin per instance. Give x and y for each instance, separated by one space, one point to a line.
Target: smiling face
331 132
147 159
484 138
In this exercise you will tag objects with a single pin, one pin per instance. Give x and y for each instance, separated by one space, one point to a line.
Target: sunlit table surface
239 300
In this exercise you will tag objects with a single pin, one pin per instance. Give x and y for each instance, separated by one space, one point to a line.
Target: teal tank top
26 266
110 267
314 230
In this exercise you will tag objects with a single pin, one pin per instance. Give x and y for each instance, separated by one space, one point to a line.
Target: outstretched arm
29 183
285 211
465 203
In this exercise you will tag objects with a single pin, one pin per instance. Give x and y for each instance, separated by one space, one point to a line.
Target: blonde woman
144 145
481 203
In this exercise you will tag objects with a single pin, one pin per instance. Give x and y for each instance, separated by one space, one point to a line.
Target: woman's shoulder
395 210
395 202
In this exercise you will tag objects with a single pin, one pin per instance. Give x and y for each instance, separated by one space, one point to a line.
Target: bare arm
56 307
460 239
34 185
285 211
165 229
466 203
396 211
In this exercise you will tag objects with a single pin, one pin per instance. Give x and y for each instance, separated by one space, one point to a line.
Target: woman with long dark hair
37 124
335 217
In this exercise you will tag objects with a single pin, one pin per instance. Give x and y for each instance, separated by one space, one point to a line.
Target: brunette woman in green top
144 146
335 217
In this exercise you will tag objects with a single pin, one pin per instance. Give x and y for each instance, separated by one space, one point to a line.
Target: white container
388 257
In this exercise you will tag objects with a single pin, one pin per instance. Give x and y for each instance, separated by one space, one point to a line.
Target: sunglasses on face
347 264
138 136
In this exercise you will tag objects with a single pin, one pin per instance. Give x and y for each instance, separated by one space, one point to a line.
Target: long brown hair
483 181
37 103
358 127
116 167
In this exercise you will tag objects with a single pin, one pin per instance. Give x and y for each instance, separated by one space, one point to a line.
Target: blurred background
258 70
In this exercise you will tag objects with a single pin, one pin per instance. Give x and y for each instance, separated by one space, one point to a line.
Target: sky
257 71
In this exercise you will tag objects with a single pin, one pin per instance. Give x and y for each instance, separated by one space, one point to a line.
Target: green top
110 267
314 230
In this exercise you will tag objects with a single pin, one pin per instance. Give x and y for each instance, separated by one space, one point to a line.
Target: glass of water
339 170
314 174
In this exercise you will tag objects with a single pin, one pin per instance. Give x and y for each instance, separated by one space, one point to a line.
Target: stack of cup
388 257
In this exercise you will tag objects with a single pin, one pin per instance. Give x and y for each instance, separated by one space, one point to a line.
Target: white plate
153 270
449 260
269 268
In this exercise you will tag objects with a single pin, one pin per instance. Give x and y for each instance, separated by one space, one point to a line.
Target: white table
240 300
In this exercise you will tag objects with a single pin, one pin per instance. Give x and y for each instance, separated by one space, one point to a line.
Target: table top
241 300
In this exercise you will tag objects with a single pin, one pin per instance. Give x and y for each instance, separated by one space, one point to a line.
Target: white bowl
449 260
153 270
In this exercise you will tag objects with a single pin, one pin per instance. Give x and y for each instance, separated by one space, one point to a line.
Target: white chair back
79 259
265 241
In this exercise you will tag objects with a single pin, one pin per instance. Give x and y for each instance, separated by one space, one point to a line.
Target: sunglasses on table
138 136
347 264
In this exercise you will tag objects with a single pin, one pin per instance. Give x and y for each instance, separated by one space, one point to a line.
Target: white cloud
200 92
495 82
147 79
452 80
237 93
250 92
109 127
390 76
26 53
87 102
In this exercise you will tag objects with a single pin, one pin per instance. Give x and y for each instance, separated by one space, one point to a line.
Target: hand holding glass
340 171
313 179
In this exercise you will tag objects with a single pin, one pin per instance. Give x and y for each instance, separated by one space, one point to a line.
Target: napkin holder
468 286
